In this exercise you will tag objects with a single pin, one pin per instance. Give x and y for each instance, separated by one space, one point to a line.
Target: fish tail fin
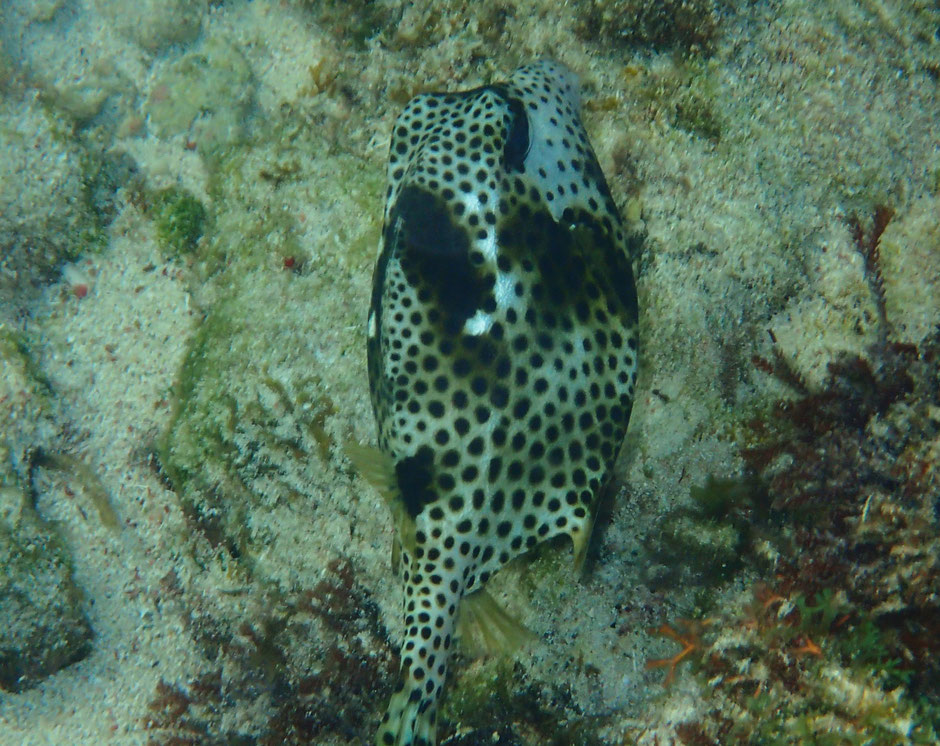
411 720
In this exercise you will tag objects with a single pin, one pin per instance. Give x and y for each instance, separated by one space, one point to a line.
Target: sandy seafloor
738 149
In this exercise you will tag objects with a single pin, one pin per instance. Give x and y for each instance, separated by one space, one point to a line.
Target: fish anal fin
485 628
580 538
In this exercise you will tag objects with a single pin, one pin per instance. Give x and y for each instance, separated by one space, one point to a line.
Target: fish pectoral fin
485 628
378 469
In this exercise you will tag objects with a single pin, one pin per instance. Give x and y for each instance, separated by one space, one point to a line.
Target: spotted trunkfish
502 355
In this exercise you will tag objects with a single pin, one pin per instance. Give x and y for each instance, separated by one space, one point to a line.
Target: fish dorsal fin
485 628
378 469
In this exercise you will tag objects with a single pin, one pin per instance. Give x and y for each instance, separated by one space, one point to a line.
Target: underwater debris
83 475
868 247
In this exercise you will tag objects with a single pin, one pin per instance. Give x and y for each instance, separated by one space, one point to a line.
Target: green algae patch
179 219
695 113
290 194
688 95
18 365
482 685
360 20
252 446
705 542
490 697
682 25
26 399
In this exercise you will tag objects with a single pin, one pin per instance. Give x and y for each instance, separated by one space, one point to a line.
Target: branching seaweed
253 668
844 645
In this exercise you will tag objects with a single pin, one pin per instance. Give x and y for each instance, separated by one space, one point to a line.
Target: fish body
502 352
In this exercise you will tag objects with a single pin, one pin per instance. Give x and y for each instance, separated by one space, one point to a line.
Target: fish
502 351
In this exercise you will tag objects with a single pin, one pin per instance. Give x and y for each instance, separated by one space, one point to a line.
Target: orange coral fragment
766 597
807 647
690 640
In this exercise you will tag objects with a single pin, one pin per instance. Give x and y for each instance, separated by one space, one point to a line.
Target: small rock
206 92
155 24
42 625
45 213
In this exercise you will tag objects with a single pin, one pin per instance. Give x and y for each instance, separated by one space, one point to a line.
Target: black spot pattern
502 347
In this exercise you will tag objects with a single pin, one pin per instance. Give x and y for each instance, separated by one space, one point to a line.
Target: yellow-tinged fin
580 538
486 629
378 469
